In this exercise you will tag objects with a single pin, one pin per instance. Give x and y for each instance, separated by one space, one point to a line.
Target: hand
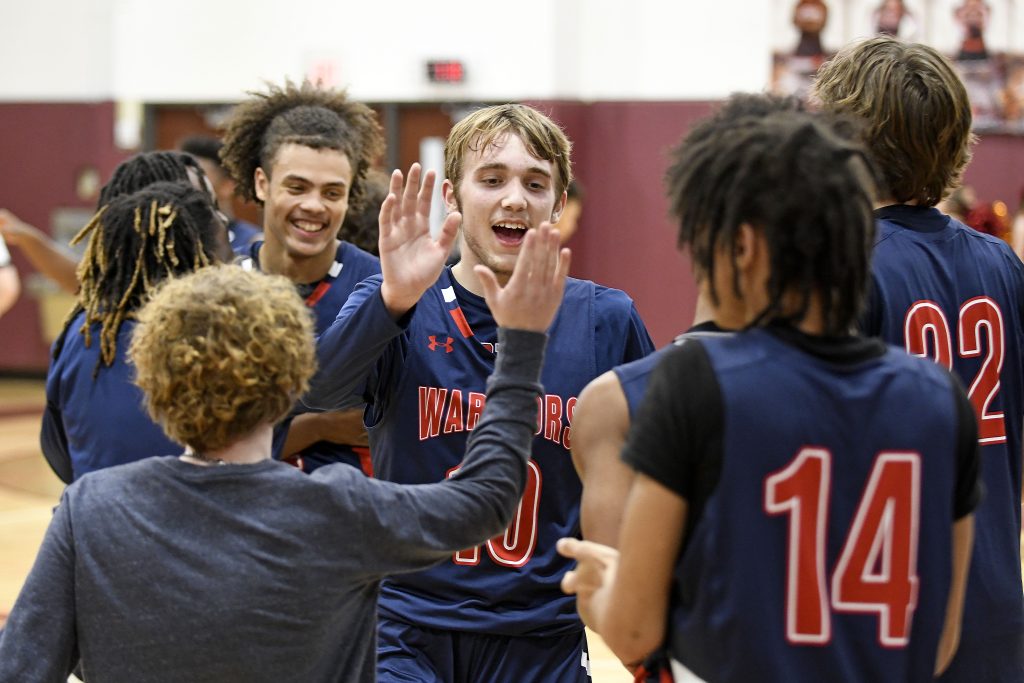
592 579
15 231
534 292
410 259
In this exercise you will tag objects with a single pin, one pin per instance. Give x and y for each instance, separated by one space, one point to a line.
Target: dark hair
575 190
203 147
362 227
303 115
915 109
135 242
147 168
801 180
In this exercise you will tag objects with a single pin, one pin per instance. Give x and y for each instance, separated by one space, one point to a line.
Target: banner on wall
978 35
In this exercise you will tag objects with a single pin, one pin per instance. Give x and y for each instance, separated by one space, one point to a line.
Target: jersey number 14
877 569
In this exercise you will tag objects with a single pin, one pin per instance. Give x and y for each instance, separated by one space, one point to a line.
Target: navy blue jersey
351 266
633 376
427 392
90 424
241 235
945 291
825 476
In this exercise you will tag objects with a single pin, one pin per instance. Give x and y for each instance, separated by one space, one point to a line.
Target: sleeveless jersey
824 549
430 395
633 376
351 266
947 292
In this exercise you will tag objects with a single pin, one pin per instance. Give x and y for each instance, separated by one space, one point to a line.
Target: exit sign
448 71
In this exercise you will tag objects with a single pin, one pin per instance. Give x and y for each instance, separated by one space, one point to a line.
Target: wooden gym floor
29 490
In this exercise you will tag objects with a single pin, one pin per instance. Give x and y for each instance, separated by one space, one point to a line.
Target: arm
378 309
600 426
53 440
963 542
336 426
39 642
10 287
628 604
46 255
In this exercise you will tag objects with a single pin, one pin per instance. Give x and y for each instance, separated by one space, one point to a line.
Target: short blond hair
220 352
916 112
541 136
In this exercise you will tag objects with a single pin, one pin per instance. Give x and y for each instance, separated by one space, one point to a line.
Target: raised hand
531 298
410 259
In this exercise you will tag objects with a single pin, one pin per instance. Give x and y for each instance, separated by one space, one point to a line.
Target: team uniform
241 235
947 292
351 266
95 418
634 376
494 612
822 476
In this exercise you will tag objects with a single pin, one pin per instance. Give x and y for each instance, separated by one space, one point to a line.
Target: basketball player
56 261
802 504
94 416
946 292
206 150
223 565
422 346
302 153
608 404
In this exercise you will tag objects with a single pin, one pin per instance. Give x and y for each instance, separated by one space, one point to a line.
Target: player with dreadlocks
303 152
94 416
54 261
776 466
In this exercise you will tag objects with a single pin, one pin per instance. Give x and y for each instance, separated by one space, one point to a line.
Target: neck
813 322
467 277
298 269
251 448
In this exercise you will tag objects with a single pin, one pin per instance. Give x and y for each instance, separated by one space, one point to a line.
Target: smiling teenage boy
425 341
302 152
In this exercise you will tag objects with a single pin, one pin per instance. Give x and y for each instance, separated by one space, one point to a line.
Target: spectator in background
10 284
568 222
1017 231
206 150
361 226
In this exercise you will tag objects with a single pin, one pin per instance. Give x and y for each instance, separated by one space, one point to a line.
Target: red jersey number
515 547
877 568
980 326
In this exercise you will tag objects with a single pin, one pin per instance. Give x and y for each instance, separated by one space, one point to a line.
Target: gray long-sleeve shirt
163 570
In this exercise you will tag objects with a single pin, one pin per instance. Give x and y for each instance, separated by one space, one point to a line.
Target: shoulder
352 256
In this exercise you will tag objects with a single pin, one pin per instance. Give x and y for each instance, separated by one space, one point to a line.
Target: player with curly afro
303 152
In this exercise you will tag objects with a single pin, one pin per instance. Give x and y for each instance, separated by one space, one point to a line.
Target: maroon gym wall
997 170
42 148
625 239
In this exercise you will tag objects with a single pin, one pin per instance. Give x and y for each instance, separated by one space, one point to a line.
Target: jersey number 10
877 569
514 548
978 316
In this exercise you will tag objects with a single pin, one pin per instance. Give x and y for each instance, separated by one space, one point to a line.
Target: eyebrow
303 179
504 167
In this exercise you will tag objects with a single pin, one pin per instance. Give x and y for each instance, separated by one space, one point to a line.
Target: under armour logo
446 345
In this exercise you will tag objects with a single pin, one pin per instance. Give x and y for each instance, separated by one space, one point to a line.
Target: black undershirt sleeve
676 436
969 487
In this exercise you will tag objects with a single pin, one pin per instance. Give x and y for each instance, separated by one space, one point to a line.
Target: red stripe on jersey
461 322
